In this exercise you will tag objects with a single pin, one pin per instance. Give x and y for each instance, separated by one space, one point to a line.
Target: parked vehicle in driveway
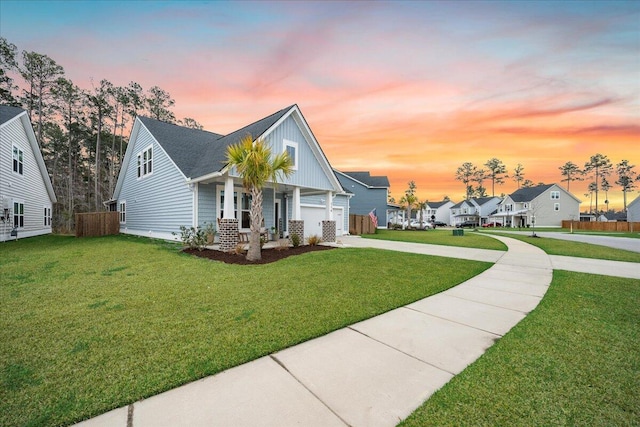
467 224
492 224
416 224
435 224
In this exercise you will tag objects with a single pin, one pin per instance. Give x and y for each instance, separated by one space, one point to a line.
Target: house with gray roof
545 205
477 209
26 193
438 211
176 176
370 194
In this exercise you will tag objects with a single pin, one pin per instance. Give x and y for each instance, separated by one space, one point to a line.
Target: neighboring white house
546 204
176 176
633 210
476 209
439 211
26 193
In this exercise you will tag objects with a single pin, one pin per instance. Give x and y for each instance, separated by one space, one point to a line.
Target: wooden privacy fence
361 224
97 224
603 226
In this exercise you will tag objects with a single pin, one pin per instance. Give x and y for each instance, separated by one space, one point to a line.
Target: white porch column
328 213
228 198
295 214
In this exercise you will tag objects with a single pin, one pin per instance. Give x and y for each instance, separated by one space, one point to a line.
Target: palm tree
256 166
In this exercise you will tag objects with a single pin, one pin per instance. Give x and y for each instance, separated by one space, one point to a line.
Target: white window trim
123 203
556 207
141 163
294 145
13 213
20 151
47 215
238 200
556 194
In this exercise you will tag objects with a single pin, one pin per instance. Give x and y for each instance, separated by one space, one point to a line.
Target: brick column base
296 226
228 233
328 231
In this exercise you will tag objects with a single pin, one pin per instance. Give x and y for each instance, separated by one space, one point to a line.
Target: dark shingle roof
529 193
436 205
482 200
7 113
367 179
197 152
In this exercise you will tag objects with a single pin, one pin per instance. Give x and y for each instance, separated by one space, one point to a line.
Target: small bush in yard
295 240
314 240
192 237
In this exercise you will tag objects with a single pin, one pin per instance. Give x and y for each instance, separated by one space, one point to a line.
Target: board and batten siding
309 173
365 199
157 204
28 188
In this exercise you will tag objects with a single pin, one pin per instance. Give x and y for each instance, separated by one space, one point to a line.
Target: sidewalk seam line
282 365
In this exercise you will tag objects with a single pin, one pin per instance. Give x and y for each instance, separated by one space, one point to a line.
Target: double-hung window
145 162
47 216
555 195
18 165
18 214
123 212
556 207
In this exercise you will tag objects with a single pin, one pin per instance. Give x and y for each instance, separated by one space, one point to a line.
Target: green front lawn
439 237
89 325
577 249
575 360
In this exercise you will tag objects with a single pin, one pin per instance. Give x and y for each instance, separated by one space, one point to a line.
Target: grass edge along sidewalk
572 361
89 325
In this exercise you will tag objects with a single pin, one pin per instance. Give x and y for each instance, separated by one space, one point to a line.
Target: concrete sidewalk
373 373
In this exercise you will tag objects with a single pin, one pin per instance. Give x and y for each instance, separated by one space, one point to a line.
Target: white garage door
312 217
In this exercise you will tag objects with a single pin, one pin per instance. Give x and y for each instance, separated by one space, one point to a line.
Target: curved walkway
373 373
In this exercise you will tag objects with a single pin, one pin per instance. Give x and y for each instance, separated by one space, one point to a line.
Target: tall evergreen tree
40 72
158 104
518 174
496 171
626 179
572 173
599 165
8 63
465 174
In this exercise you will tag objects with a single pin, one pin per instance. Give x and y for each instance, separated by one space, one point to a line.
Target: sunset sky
410 90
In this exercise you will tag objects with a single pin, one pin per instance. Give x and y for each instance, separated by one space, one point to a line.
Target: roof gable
529 193
366 179
8 114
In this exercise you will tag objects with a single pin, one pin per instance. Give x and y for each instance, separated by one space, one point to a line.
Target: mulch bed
268 255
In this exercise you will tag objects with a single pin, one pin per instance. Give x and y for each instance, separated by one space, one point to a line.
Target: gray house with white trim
369 193
633 210
26 193
546 204
173 176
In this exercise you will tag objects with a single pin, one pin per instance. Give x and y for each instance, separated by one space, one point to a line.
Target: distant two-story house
476 209
438 211
370 194
545 205
176 176
26 193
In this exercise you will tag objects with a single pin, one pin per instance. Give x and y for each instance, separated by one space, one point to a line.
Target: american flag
374 217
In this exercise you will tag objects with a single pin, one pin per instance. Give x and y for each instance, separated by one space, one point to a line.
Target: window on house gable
145 162
18 165
555 195
291 148
47 216
556 207
18 214
123 212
